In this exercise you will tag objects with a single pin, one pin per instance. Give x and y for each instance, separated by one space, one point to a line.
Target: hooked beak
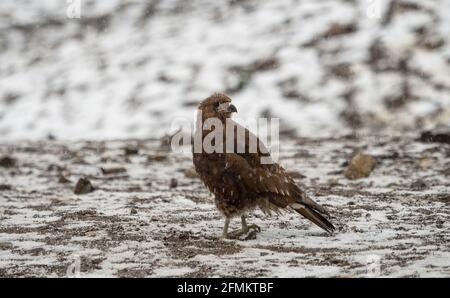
227 108
232 109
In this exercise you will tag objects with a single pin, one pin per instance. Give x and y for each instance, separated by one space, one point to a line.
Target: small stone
54 167
134 188
91 234
5 187
6 245
360 166
173 183
133 211
156 157
63 179
109 171
83 186
440 134
419 185
191 173
333 182
131 151
7 162
425 163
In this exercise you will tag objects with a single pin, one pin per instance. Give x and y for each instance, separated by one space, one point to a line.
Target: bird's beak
226 107
232 109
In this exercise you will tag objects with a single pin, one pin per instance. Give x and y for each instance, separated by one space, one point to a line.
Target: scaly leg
225 228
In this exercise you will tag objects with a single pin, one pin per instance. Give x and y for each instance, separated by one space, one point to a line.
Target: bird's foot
247 233
254 227
234 235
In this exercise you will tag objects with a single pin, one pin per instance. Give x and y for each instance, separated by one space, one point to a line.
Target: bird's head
217 105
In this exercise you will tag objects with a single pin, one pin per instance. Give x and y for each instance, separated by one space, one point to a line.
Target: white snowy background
129 68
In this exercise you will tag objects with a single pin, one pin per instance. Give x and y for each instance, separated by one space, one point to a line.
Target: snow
174 232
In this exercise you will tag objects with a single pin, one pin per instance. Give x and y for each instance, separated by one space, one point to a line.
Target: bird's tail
313 216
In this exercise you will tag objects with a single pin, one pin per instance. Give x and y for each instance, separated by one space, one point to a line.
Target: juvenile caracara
240 181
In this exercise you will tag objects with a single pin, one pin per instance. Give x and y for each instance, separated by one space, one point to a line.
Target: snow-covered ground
394 223
129 68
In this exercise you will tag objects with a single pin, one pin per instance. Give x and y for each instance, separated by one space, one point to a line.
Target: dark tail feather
314 216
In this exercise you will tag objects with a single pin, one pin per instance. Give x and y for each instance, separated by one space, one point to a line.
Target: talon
249 232
256 227
236 234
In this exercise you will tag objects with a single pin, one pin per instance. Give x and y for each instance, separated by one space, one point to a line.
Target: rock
342 70
446 172
55 168
419 185
133 211
333 182
191 173
5 187
425 163
134 188
360 166
337 29
63 179
131 150
173 183
165 144
440 134
156 157
7 162
109 171
83 186
354 228
166 140
6 245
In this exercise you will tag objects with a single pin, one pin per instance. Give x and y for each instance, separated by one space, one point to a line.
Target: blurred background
82 69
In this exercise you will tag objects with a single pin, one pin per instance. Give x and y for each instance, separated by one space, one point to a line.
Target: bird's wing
271 178
271 181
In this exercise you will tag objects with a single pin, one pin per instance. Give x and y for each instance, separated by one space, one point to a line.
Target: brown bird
240 181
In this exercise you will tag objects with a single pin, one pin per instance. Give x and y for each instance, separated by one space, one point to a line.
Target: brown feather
316 218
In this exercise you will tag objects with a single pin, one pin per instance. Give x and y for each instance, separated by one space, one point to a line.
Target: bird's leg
244 223
225 228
